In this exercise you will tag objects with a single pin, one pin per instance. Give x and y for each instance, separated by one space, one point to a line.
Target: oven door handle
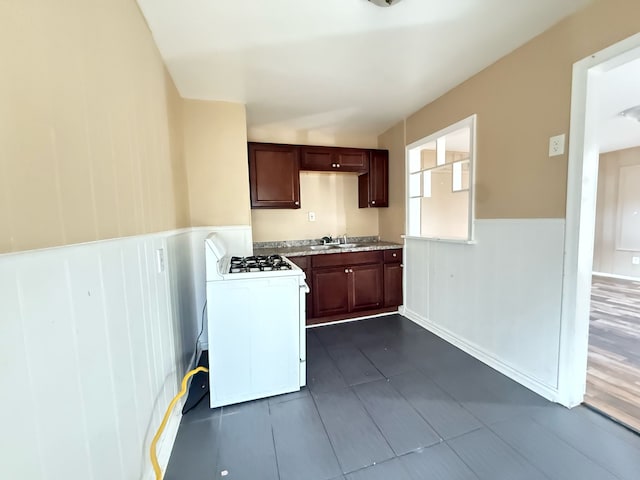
305 287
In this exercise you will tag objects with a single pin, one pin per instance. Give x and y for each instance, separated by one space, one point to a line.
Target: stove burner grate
260 263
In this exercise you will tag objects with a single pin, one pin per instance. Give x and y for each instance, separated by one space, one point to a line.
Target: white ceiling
618 90
337 65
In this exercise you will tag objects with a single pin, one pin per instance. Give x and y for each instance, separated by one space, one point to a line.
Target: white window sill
441 240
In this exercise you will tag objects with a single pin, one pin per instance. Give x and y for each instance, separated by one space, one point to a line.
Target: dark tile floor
388 400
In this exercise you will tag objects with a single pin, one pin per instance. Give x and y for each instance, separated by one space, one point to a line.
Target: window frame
468 122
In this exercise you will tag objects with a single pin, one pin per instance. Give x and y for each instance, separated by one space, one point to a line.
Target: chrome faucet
344 238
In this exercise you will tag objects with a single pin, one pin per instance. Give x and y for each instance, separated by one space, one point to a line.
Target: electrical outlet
312 216
556 145
635 260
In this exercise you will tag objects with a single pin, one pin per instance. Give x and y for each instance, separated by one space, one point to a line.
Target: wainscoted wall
94 341
498 299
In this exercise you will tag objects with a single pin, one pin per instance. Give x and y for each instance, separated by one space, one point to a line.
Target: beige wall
392 219
609 256
215 151
333 197
89 142
521 101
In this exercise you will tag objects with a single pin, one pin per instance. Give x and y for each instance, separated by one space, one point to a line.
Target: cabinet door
365 287
392 284
317 158
373 186
330 291
379 179
352 160
274 176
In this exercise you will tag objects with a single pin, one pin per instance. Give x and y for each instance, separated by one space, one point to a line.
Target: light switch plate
312 216
556 145
635 260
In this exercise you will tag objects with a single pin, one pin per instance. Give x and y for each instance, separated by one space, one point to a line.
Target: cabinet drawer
346 259
393 256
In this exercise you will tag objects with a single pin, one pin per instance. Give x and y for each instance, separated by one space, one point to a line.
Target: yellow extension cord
154 442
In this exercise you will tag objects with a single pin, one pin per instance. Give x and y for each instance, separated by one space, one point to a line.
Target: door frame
580 216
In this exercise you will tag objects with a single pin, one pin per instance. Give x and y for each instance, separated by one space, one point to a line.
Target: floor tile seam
335 365
364 354
275 451
514 447
373 420
455 400
519 453
396 457
440 438
359 382
218 431
575 447
326 432
455 452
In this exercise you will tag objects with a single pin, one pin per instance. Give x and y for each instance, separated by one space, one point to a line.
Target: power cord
204 307
152 449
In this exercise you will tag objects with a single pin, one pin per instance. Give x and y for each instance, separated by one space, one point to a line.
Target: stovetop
258 263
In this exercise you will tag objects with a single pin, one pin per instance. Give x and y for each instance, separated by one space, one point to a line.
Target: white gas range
256 320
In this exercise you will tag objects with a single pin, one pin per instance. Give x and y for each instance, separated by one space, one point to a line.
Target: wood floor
613 372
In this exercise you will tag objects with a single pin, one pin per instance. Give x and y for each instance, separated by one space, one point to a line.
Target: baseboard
617 277
547 391
168 438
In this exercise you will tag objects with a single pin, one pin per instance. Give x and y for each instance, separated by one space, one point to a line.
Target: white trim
444 240
148 236
348 320
617 277
547 391
470 122
580 221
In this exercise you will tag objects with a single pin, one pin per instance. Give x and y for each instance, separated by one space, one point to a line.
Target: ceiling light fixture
632 113
384 3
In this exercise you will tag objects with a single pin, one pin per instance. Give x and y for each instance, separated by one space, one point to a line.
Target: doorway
586 142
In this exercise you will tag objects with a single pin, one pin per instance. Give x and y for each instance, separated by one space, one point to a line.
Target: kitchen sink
322 247
349 245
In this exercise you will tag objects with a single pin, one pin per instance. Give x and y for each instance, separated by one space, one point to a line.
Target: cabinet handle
346 270
296 203
373 202
338 165
402 265
333 165
395 254
350 270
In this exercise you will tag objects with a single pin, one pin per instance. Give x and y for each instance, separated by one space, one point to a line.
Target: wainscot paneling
498 299
94 340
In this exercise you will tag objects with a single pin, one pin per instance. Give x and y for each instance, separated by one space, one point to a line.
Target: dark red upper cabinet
274 175
373 187
333 159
